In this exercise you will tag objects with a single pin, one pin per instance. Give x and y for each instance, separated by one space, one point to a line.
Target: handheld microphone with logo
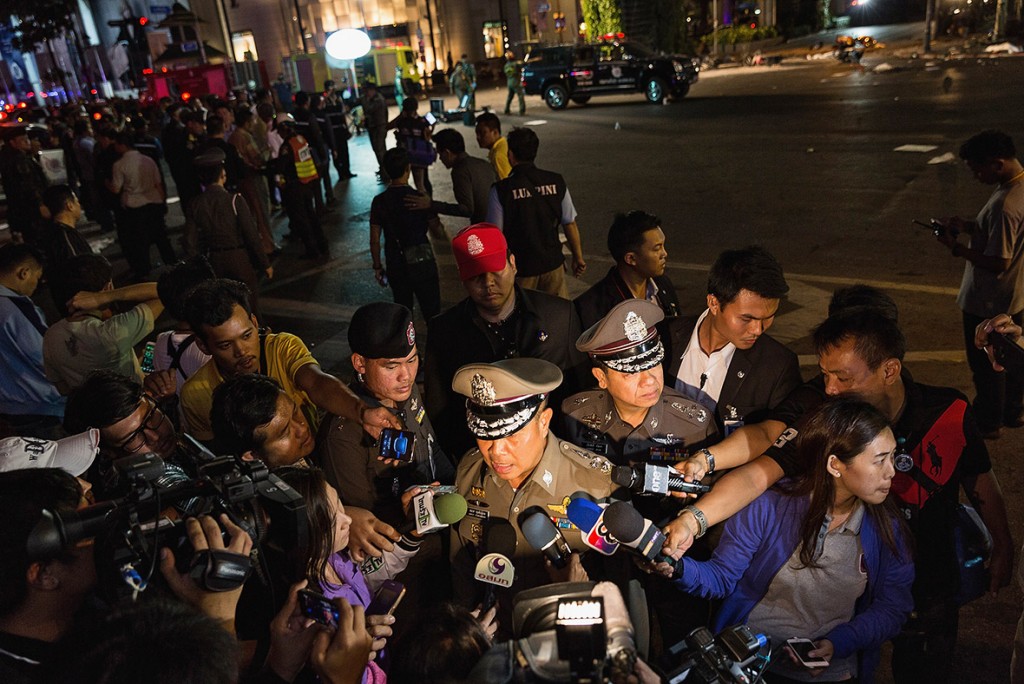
647 478
431 513
494 565
589 518
631 529
544 536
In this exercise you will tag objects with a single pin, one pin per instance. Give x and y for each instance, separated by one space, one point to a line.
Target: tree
602 17
38 20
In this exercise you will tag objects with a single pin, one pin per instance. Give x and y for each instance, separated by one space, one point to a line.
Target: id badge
733 425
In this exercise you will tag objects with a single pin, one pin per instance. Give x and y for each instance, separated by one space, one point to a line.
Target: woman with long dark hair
329 568
824 558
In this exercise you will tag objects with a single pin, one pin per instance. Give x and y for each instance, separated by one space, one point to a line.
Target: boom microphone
544 536
431 513
588 517
633 530
494 567
647 478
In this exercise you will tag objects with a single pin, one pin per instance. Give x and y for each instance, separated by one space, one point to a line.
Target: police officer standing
299 180
518 463
632 412
24 182
384 356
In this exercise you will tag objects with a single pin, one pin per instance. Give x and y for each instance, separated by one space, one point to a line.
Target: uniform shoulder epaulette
587 459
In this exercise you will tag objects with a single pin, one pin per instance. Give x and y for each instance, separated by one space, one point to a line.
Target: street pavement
808 158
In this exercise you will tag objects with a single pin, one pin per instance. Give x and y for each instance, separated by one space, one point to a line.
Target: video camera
732 657
152 501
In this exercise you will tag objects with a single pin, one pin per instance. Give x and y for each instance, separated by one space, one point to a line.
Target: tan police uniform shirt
563 469
675 424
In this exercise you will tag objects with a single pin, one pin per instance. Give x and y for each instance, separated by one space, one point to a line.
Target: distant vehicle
576 73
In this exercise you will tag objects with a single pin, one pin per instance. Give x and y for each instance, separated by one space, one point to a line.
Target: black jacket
596 302
758 379
548 329
531 200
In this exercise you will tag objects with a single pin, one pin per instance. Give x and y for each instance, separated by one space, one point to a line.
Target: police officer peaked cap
213 156
505 395
382 330
626 339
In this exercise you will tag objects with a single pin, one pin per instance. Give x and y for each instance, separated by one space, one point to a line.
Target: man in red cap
498 320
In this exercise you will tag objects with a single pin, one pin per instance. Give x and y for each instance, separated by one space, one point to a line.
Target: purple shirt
353 589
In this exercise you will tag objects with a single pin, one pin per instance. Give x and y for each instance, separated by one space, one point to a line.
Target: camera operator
40 600
130 422
221 318
254 418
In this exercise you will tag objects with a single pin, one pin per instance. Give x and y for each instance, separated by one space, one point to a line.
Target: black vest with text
531 200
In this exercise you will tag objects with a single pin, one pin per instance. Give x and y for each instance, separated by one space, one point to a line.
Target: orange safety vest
305 167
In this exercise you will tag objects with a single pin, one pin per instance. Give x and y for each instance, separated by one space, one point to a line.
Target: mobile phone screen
397 444
802 648
387 598
318 607
431 119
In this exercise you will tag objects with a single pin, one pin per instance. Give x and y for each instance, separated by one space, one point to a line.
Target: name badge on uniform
478 513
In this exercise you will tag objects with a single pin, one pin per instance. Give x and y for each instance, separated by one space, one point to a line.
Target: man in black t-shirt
409 265
939 450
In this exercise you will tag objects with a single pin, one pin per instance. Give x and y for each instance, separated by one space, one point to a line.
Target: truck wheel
556 96
581 99
655 90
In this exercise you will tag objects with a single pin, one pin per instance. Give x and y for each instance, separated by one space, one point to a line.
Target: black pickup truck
577 72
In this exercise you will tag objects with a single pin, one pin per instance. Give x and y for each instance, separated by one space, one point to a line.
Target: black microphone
494 565
647 478
544 536
633 530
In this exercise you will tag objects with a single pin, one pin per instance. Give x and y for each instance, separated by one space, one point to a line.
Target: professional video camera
732 657
153 501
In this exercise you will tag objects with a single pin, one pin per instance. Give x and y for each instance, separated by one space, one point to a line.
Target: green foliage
601 16
731 35
670 31
40 20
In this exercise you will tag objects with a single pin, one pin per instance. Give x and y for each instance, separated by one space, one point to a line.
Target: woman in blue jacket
825 557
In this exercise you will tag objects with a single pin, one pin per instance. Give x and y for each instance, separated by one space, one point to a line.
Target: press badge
732 425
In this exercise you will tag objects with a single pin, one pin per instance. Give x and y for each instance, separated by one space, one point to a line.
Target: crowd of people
290 511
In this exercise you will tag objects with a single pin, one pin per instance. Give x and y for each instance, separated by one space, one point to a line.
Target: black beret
382 330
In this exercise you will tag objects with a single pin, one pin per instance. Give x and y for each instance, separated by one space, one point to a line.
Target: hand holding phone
398 445
801 648
1006 352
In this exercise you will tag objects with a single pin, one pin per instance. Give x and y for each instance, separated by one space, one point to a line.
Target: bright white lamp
347 44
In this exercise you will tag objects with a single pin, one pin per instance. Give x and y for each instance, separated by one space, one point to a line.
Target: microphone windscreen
500 537
537 527
450 508
622 476
583 513
624 522
580 494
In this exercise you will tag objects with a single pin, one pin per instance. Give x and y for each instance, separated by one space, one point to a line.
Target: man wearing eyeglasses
130 421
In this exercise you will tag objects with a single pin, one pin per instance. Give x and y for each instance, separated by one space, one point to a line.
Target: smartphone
397 444
387 598
318 607
802 648
431 119
1009 355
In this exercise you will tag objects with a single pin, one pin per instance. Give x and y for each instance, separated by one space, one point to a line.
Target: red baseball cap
480 248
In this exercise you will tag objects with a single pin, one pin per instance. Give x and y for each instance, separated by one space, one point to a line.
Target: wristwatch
698 515
710 461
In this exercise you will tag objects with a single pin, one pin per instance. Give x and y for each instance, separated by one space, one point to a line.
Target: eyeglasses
153 421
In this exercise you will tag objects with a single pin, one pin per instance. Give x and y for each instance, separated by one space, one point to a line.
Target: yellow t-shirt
285 355
498 154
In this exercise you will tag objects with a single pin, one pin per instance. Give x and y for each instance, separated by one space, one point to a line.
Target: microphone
633 530
431 513
494 566
647 478
589 518
544 536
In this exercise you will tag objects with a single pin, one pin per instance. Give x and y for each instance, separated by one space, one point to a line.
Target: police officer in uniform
632 412
299 178
518 463
24 182
384 355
